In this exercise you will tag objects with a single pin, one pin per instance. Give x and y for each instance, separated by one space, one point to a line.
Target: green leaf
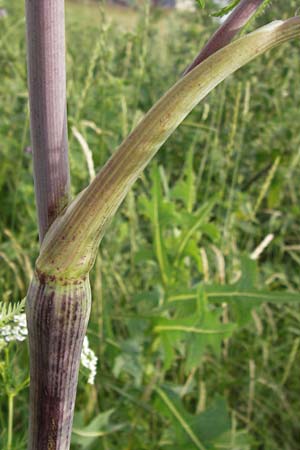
100 426
161 213
9 310
223 11
211 231
199 331
192 250
185 188
130 361
192 431
144 254
201 3
242 310
197 220
232 294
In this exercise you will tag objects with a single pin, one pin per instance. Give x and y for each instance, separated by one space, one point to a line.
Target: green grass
90 13
241 145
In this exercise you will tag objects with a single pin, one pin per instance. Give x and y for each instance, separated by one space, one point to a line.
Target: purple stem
57 318
47 94
232 25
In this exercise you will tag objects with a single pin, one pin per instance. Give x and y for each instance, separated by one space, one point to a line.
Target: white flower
89 360
15 331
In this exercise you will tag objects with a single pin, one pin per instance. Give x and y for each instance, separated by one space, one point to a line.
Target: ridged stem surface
226 32
57 317
47 93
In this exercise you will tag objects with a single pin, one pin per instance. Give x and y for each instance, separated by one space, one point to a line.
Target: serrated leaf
9 310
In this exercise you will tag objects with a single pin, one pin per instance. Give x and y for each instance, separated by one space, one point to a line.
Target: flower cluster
89 360
16 330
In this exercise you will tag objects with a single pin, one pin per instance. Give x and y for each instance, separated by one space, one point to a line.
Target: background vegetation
225 180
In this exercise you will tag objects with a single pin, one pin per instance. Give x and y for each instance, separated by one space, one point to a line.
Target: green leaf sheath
70 246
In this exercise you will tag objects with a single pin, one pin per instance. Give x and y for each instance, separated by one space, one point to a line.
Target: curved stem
70 246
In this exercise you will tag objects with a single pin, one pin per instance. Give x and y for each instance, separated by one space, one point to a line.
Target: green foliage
8 311
194 431
86 436
199 330
201 3
222 12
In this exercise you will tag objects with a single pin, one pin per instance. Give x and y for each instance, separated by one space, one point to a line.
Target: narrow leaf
223 11
180 419
207 427
227 293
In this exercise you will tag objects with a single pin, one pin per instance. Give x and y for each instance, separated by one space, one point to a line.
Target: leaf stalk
71 245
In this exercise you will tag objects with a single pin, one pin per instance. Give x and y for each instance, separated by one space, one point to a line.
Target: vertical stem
10 420
57 311
57 317
226 32
47 94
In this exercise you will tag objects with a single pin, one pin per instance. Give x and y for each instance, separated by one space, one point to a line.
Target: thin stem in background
232 25
47 93
10 420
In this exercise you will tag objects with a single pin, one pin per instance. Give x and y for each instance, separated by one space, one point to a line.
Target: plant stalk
57 317
71 245
58 300
10 420
226 32
47 96
57 313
